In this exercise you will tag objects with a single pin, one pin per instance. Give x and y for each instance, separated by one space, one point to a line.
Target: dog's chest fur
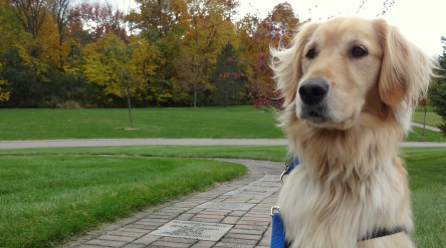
337 214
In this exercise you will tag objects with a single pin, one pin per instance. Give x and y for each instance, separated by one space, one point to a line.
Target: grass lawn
32 192
432 119
47 199
416 133
208 122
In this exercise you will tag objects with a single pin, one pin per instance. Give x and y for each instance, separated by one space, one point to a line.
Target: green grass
432 119
416 135
427 170
426 166
272 153
208 122
47 199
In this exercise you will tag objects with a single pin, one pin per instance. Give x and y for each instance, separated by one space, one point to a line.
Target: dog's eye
358 52
311 54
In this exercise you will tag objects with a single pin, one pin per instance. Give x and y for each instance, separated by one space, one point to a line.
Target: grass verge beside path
426 168
50 198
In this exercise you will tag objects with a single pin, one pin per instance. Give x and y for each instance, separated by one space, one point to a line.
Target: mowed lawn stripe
47 199
206 122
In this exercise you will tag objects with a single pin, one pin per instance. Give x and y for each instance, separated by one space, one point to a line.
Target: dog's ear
286 63
406 69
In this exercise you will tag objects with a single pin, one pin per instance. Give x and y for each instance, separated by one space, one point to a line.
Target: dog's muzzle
313 92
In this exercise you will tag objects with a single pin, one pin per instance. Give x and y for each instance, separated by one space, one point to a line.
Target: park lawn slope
208 122
432 119
48 199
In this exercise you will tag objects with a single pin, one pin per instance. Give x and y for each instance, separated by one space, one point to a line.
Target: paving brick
110 243
265 241
116 238
143 227
147 239
256 218
206 220
126 234
205 216
171 244
240 241
203 244
233 245
132 230
238 213
150 220
230 220
89 246
135 246
246 231
253 222
195 211
178 240
250 227
243 236
185 217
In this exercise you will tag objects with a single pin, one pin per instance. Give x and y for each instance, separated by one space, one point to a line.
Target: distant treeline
55 54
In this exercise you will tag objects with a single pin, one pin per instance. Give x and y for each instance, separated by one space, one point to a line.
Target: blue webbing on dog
278 232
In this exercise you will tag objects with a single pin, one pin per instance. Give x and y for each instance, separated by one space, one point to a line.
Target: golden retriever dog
349 86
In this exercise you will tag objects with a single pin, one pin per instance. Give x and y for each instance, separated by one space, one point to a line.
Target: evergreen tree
229 78
437 92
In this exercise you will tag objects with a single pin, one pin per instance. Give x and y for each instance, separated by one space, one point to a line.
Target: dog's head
339 69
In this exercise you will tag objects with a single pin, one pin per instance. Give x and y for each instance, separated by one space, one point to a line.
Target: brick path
251 228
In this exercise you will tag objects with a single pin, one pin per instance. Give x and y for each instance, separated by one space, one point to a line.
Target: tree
101 19
159 15
277 29
118 68
437 92
209 31
229 78
425 102
31 13
60 11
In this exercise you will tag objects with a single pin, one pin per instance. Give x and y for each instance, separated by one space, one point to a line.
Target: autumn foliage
165 53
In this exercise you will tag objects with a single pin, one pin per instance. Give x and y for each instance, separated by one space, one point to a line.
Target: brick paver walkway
251 228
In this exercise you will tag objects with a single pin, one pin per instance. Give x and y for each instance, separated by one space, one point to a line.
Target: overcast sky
423 22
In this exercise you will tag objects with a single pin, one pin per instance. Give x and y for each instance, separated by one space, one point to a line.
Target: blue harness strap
278 232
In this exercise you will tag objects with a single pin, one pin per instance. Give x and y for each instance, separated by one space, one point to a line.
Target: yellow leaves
4 94
119 67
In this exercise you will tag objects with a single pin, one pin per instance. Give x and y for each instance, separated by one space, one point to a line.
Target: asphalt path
169 142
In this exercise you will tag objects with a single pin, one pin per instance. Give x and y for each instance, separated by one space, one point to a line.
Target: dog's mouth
315 114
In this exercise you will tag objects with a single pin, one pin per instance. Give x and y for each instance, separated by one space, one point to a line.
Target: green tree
115 66
229 78
437 92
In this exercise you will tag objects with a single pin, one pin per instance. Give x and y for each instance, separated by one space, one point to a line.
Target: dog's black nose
313 90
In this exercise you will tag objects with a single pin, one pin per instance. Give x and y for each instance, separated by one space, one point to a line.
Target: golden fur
350 179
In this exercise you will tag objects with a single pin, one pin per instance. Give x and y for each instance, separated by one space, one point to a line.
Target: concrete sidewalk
435 129
161 142
248 228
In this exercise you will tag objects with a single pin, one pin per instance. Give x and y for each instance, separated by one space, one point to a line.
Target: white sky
422 22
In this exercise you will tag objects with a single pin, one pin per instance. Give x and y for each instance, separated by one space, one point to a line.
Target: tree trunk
130 107
424 121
